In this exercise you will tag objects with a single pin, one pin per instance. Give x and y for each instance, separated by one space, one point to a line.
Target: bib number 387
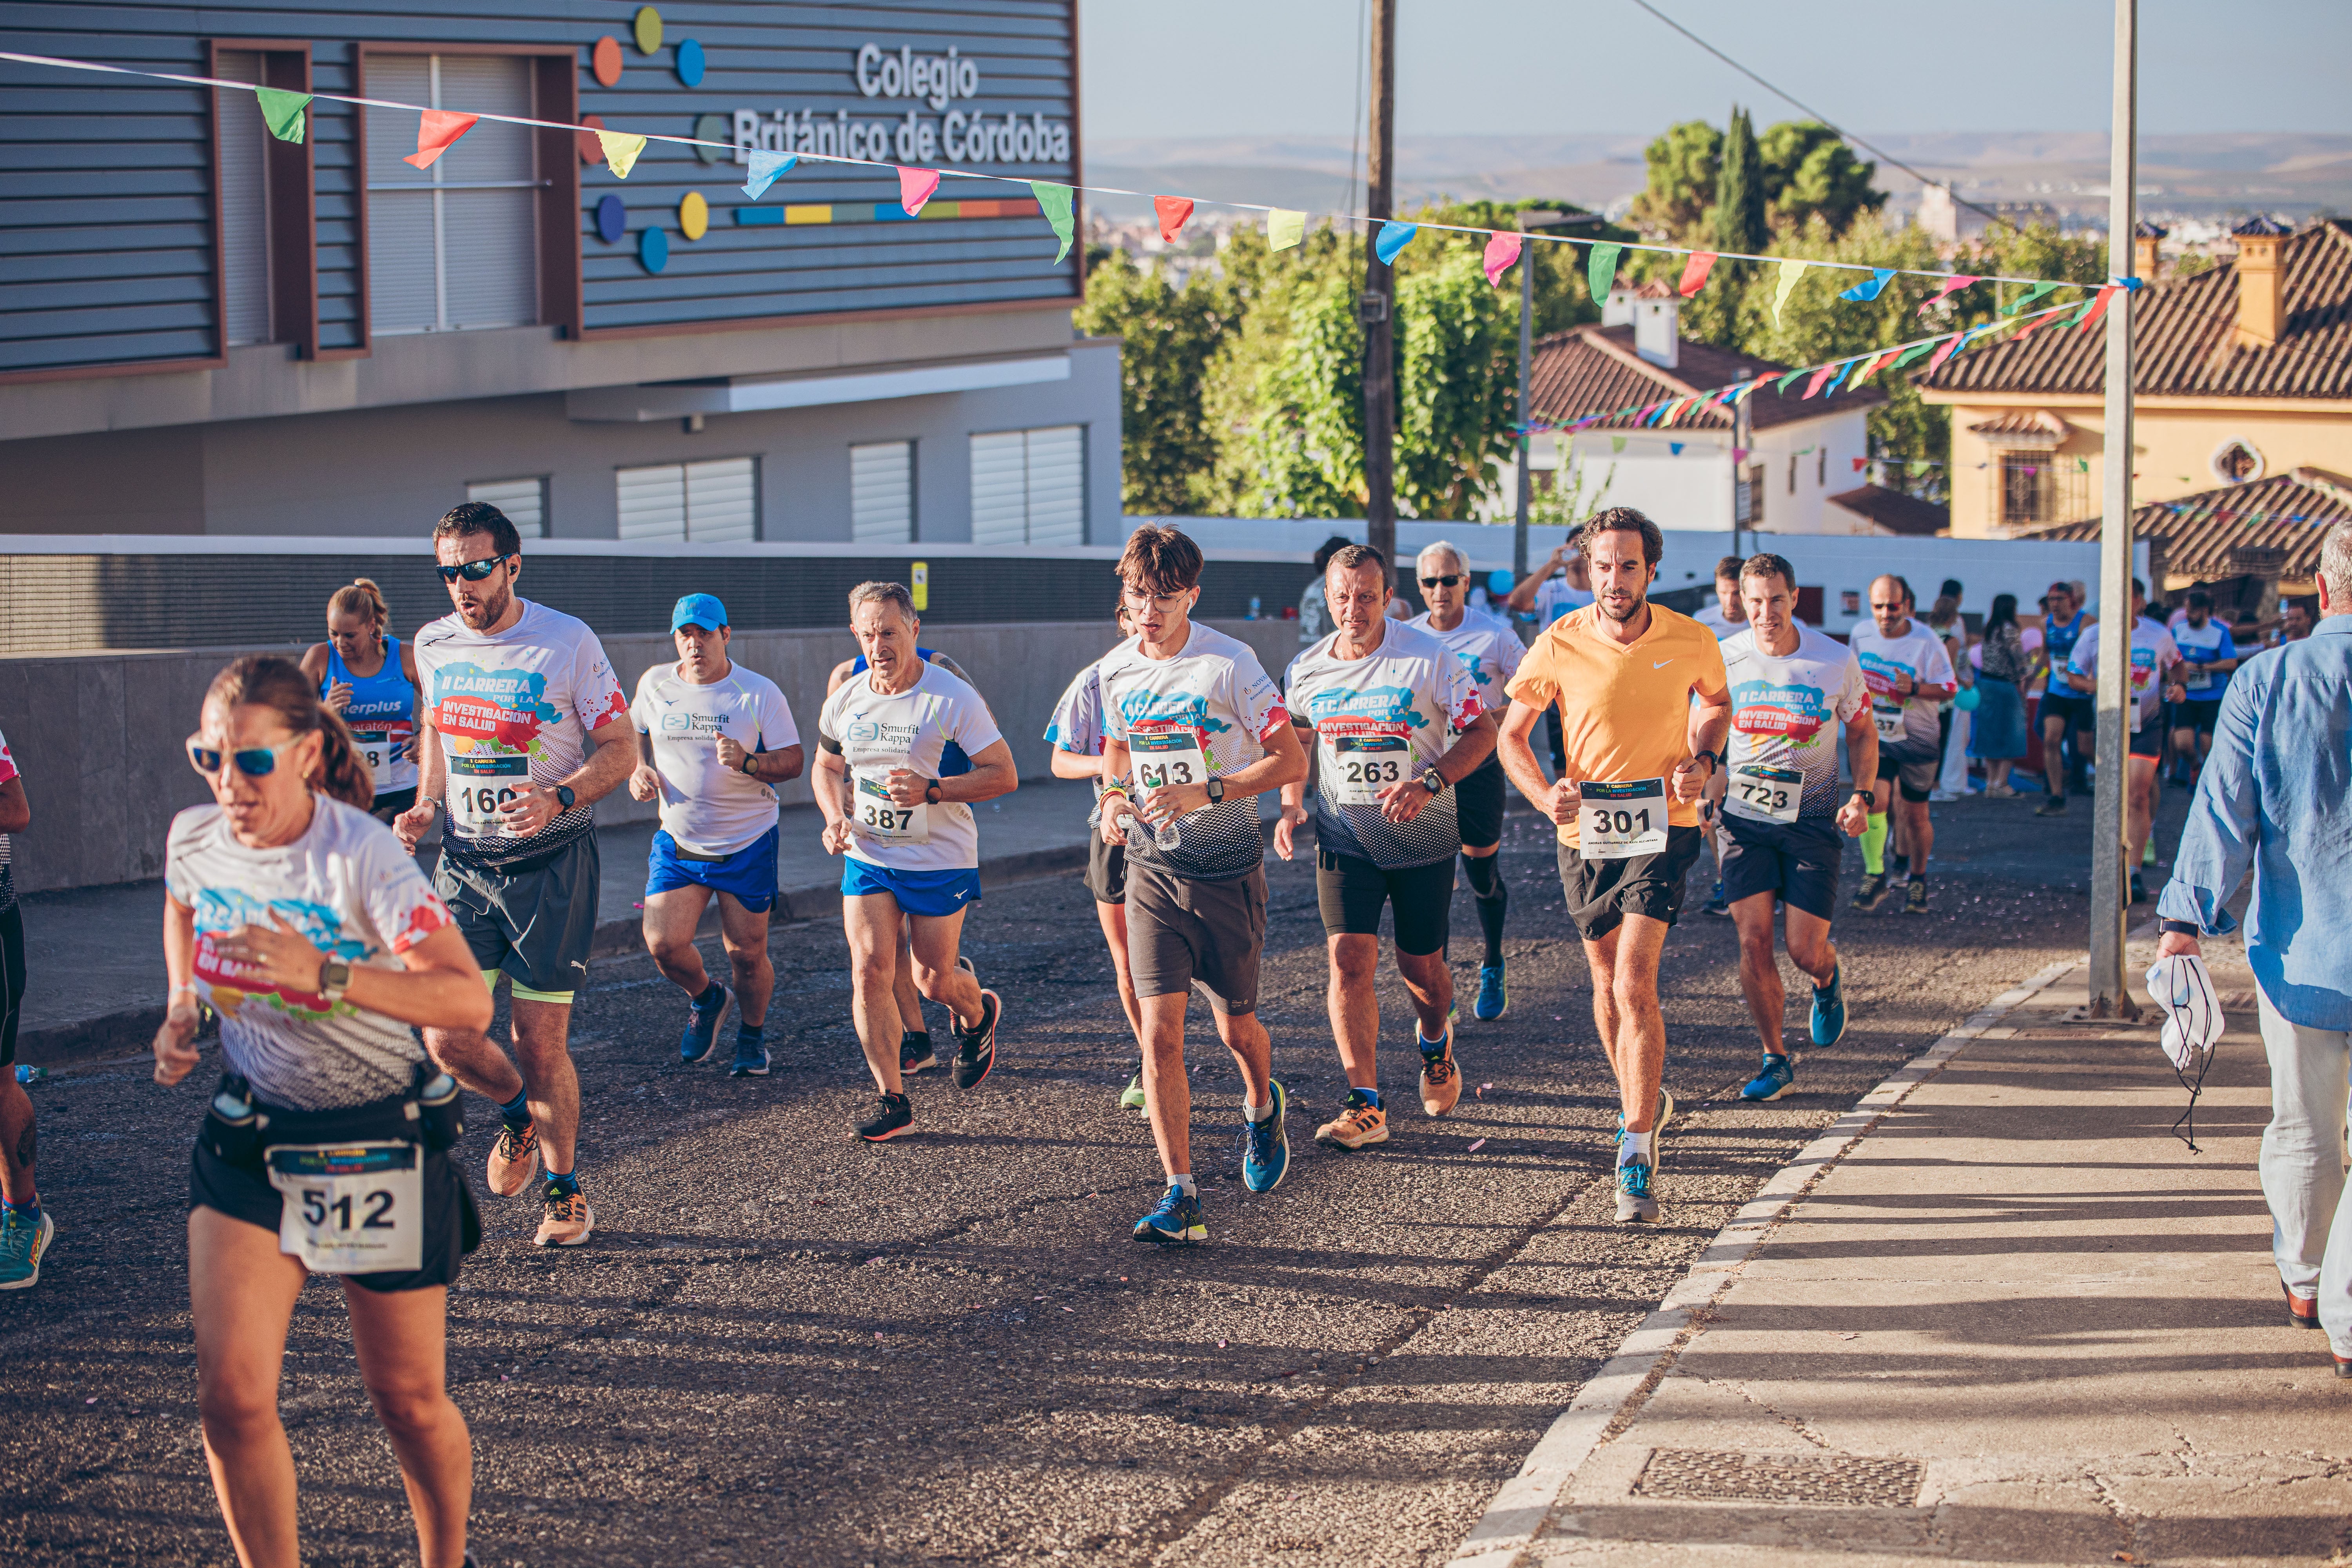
350 1208
879 817
1619 821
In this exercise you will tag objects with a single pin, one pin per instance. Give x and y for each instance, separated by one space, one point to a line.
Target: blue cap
702 610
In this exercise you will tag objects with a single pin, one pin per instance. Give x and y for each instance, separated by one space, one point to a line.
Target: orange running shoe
1360 1122
513 1158
1441 1080
568 1218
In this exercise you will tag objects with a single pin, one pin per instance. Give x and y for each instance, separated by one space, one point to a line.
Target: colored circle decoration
591 146
689 62
694 216
612 218
653 250
605 60
648 26
712 128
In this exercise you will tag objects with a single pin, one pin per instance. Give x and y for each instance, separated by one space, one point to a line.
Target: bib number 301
350 1208
1619 821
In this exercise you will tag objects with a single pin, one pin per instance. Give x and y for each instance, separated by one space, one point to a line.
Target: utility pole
1743 439
2110 897
1374 307
1536 220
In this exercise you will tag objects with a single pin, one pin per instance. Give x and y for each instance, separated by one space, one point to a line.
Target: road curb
1516 1513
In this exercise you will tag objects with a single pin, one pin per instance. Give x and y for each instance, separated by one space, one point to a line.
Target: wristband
2178 928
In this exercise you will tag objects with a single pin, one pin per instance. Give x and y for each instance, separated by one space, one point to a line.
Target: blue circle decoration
653 250
689 62
612 219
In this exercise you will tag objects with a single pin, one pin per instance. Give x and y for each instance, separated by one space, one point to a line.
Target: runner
1491 651
911 845
1791 687
2154 661
297 919
515 694
714 740
2067 721
1209 733
369 678
1396 721
1622 675
2207 655
1077 737
1909 675
25 1228
1726 618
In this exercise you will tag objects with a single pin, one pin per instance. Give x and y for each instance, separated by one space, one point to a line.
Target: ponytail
360 596
270 681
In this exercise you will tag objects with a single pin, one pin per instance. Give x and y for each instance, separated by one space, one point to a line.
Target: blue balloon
689 62
1499 581
1967 700
653 250
612 218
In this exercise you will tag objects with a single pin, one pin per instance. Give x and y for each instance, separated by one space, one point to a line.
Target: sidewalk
94 956
2016 1322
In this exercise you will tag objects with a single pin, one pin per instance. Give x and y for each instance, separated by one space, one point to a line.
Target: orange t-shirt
1624 712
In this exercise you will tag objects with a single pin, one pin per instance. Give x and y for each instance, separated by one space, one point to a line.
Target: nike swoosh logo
1661 664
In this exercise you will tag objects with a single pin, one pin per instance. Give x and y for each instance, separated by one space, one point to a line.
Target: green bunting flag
1783 384
1616 445
2026 301
1790 272
1601 271
1284 228
1055 200
1907 356
282 112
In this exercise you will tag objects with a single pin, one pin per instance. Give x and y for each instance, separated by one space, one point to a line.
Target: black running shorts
1602 893
1352 892
1106 870
1795 861
1913 764
536 921
1180 931
1478 805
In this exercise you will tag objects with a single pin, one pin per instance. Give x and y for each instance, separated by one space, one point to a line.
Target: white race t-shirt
707 808
1555 596
2153 652
512 707
1710 616
1487 647
1213 696
1785 710
1381 721
1918 653
351 889
876 732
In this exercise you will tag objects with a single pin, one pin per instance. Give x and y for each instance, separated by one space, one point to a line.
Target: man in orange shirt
1643 709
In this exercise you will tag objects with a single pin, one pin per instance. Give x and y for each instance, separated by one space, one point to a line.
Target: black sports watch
564 797
1434 782
1216 791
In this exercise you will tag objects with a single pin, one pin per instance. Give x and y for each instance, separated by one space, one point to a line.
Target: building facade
215 330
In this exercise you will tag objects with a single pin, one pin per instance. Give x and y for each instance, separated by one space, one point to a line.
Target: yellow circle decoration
648 29
694 216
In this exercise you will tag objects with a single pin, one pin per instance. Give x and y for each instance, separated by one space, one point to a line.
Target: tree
1809 171
1682 173
1735 222
1457 383
1168 335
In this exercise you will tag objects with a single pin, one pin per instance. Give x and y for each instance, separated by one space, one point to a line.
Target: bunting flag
1787 379
1739 454
766 165
1950 287
1616 445
1907 356
2096 308
1673 412
1173 212
1839 379
282 112
1284 228
1676 447
1600 269
915 188
1790 272
1951 346
2027 329
1694 272
1868 289
1055 201
1393 237
621 149
1859 463
2026 301
434 134
1502 249
1819 377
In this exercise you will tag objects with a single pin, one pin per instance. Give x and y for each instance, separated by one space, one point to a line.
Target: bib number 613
1160 775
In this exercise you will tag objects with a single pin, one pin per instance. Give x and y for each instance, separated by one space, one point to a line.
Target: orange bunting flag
1502 249
2096 308
1694 272
915 188
436 134
1174 213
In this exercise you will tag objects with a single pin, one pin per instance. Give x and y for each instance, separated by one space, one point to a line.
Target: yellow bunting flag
621 151
1790 272
1285 229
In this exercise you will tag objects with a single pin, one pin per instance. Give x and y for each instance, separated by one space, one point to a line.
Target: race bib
1167 756
2201 681
1619 821
1356 768
350 1208
1767 795
1888 721
879 816
379 750
479 784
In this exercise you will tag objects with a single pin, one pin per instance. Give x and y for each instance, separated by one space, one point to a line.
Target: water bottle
27 1074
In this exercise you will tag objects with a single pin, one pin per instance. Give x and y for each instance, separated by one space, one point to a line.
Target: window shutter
882 492
402 293
243 204
523 501
723 501
1000 488
489 254
653 501
1057 485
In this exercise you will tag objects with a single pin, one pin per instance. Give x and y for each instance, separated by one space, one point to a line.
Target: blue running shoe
1829 1009
1176 1222
1635 1203
23 1245
1265 1147
701 1035
1493 1000
1776 1077
750 1059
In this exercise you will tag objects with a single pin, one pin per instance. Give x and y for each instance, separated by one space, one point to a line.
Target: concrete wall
100 738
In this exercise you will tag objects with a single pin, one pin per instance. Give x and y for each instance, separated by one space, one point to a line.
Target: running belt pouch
236 1143
433 1104
683 853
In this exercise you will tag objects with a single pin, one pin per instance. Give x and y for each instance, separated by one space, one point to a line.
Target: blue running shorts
917 892
747 876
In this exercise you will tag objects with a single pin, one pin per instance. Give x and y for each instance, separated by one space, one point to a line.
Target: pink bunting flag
2098 306
435 132
1694 272
1819 377
1174 213
1873 368
1952 286
1944 350
915 188
1502 249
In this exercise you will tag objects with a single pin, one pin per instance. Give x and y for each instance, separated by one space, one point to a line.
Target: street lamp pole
1535 219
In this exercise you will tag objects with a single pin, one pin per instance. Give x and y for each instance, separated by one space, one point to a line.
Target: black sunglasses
473 571
1445 582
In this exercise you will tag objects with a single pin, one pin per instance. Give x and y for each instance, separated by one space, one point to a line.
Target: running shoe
1133 1099
1715 904
1635 1203
1775 1078
1360 1122
1440 1077
2301 1309
751 1061
1829 1009
916 1054
513 1158
702 1035
976 1049
1493 1000
1266 1146
1175 1221
892 1116
22 1248
1872 892
1915 901
565 1218
2055 806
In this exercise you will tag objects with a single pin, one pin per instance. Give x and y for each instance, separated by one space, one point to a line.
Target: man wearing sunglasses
514 696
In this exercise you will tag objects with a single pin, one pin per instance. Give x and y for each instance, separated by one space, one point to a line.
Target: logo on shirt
1376 705
1764 708
693 726
503 709
1878 673
221 911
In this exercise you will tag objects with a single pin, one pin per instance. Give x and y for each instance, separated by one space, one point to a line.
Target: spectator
1998 736
1314 614
1946 621
2295 621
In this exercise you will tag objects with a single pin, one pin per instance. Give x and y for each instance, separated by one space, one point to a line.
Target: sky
1225 67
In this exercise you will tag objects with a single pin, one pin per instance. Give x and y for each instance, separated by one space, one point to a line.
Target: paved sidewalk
2016 1322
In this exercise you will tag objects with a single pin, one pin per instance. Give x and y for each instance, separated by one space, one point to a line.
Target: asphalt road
785 1346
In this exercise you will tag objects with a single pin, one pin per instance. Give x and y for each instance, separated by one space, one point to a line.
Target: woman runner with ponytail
368 679
305 925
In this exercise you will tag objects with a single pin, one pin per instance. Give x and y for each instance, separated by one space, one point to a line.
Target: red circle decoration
606 60
591 146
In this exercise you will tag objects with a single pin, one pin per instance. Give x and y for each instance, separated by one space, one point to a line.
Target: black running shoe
1915 901
976 1048
916 1053
892 1116
1872 892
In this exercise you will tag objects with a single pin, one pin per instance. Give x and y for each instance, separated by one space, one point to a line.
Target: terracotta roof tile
1895 511
1592 369
2288 511
2041 423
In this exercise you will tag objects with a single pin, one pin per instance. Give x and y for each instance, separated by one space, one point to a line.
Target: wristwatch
1434 782
932 793
1863 796
564 798
334 978
750 761
1216 791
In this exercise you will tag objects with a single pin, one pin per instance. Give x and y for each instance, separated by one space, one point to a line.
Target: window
523 501
1792 473
882 492
1029 486
711 502
1750 499
1822 465
455 246
244 202
2024 488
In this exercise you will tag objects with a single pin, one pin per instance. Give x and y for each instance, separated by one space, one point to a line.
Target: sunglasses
473 571
1445 582
258 763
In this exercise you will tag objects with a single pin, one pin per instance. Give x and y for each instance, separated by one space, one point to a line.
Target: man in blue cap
714 740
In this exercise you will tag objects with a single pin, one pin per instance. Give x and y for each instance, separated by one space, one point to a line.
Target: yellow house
2241 373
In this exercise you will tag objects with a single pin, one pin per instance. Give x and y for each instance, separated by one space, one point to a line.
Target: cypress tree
1738 210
